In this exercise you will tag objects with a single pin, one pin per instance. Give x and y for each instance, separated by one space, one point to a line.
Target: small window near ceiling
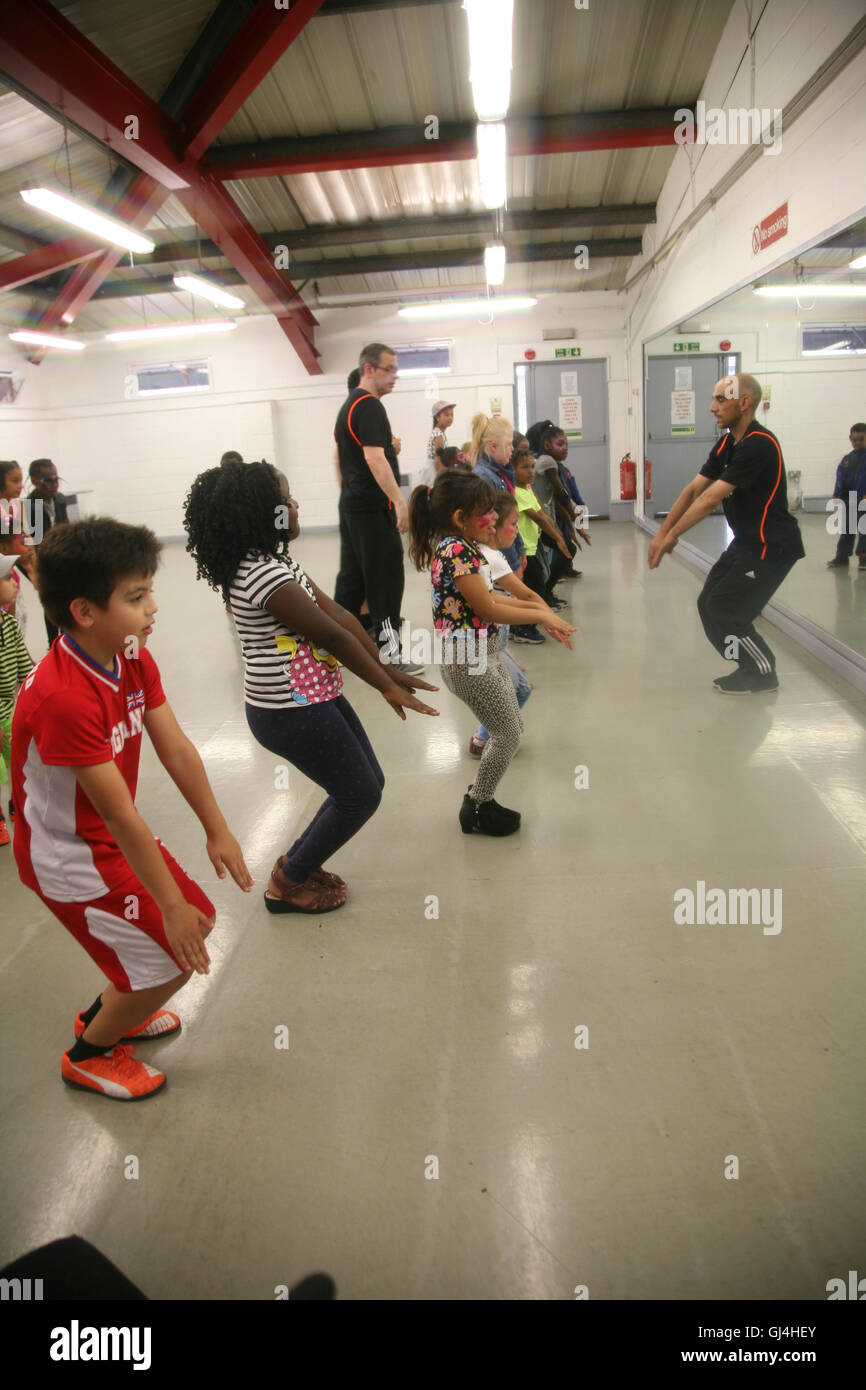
10 385
170 378
837 341
424 359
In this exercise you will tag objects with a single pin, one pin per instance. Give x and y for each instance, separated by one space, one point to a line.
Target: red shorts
123 932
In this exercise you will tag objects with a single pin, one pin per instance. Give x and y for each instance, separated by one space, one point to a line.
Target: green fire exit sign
566 352
687 347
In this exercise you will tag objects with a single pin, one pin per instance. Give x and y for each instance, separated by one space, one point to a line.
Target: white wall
814 172
139 457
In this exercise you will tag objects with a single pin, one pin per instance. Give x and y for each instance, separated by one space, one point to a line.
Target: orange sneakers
162 1024
4 833
117 1075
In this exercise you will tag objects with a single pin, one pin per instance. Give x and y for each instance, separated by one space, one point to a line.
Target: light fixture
207 290
494 263
171 330
858 264
491 164
809 291
466 307
87 218
48 340
490 24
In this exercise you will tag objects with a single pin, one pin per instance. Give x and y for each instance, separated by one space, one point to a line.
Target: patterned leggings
491 697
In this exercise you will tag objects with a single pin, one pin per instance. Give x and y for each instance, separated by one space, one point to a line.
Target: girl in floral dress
448 523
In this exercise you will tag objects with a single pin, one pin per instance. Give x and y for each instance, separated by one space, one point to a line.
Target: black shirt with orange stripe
362 421
757 509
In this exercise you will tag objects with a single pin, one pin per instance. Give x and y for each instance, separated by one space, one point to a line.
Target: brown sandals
322 892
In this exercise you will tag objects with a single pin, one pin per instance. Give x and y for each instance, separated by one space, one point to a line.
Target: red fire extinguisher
627 479
648 478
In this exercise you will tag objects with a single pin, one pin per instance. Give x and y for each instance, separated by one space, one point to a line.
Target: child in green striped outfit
15 665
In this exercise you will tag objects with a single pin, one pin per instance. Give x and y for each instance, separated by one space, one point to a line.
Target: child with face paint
448 524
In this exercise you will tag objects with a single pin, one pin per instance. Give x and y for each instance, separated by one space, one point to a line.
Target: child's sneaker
4 833
117 1075
162 1024
477 746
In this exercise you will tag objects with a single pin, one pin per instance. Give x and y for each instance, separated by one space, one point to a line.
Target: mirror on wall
808 351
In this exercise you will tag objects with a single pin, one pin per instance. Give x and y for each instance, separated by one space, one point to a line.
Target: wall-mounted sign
682 412
770 230
571 412
566 352
687 347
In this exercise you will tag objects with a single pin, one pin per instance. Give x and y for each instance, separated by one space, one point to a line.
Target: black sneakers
743 682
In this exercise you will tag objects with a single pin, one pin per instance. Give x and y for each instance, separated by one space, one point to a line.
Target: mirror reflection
808 352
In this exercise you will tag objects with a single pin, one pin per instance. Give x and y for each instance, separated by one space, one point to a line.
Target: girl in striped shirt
240 520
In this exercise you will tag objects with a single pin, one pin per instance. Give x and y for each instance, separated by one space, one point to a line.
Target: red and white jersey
73 713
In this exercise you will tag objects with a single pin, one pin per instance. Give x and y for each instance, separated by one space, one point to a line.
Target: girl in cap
443 419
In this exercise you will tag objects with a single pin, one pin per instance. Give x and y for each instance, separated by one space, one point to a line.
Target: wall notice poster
683 379
571 412
682 412
568 383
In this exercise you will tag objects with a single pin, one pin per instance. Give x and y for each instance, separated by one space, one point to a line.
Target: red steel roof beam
46 56
257 46
216 212
46 260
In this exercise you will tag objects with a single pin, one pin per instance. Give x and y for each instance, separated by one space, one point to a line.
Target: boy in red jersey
80 843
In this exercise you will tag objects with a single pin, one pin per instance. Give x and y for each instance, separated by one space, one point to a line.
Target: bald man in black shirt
745 472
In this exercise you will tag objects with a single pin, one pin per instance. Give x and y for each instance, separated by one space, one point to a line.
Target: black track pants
371 567
735 591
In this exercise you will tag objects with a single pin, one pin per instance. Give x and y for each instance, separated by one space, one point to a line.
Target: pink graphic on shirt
314 676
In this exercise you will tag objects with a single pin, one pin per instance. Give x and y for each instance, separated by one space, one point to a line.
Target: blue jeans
519 680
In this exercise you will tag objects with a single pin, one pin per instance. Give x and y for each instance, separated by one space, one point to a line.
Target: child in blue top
448 524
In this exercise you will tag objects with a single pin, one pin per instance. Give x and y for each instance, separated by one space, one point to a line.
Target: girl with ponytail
448 523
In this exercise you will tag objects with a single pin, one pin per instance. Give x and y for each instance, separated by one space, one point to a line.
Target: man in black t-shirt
745 472
373 511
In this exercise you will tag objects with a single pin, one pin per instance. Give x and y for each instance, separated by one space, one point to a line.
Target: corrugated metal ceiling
379 69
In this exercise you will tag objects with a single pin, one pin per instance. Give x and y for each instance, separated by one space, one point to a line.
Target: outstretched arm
697 500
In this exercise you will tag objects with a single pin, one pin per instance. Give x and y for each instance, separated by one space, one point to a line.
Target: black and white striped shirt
282 668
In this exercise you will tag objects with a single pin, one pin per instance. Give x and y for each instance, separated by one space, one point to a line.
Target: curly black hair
230 511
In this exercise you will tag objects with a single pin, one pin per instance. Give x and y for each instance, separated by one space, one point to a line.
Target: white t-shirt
436 441
282 668
497 566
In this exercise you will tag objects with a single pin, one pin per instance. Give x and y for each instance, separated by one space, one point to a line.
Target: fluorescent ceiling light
807 291
491 164
207 290
49 340
171 330
465 308
490 23
494 263
88 219
858 264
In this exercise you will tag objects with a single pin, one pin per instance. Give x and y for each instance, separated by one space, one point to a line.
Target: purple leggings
326 743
